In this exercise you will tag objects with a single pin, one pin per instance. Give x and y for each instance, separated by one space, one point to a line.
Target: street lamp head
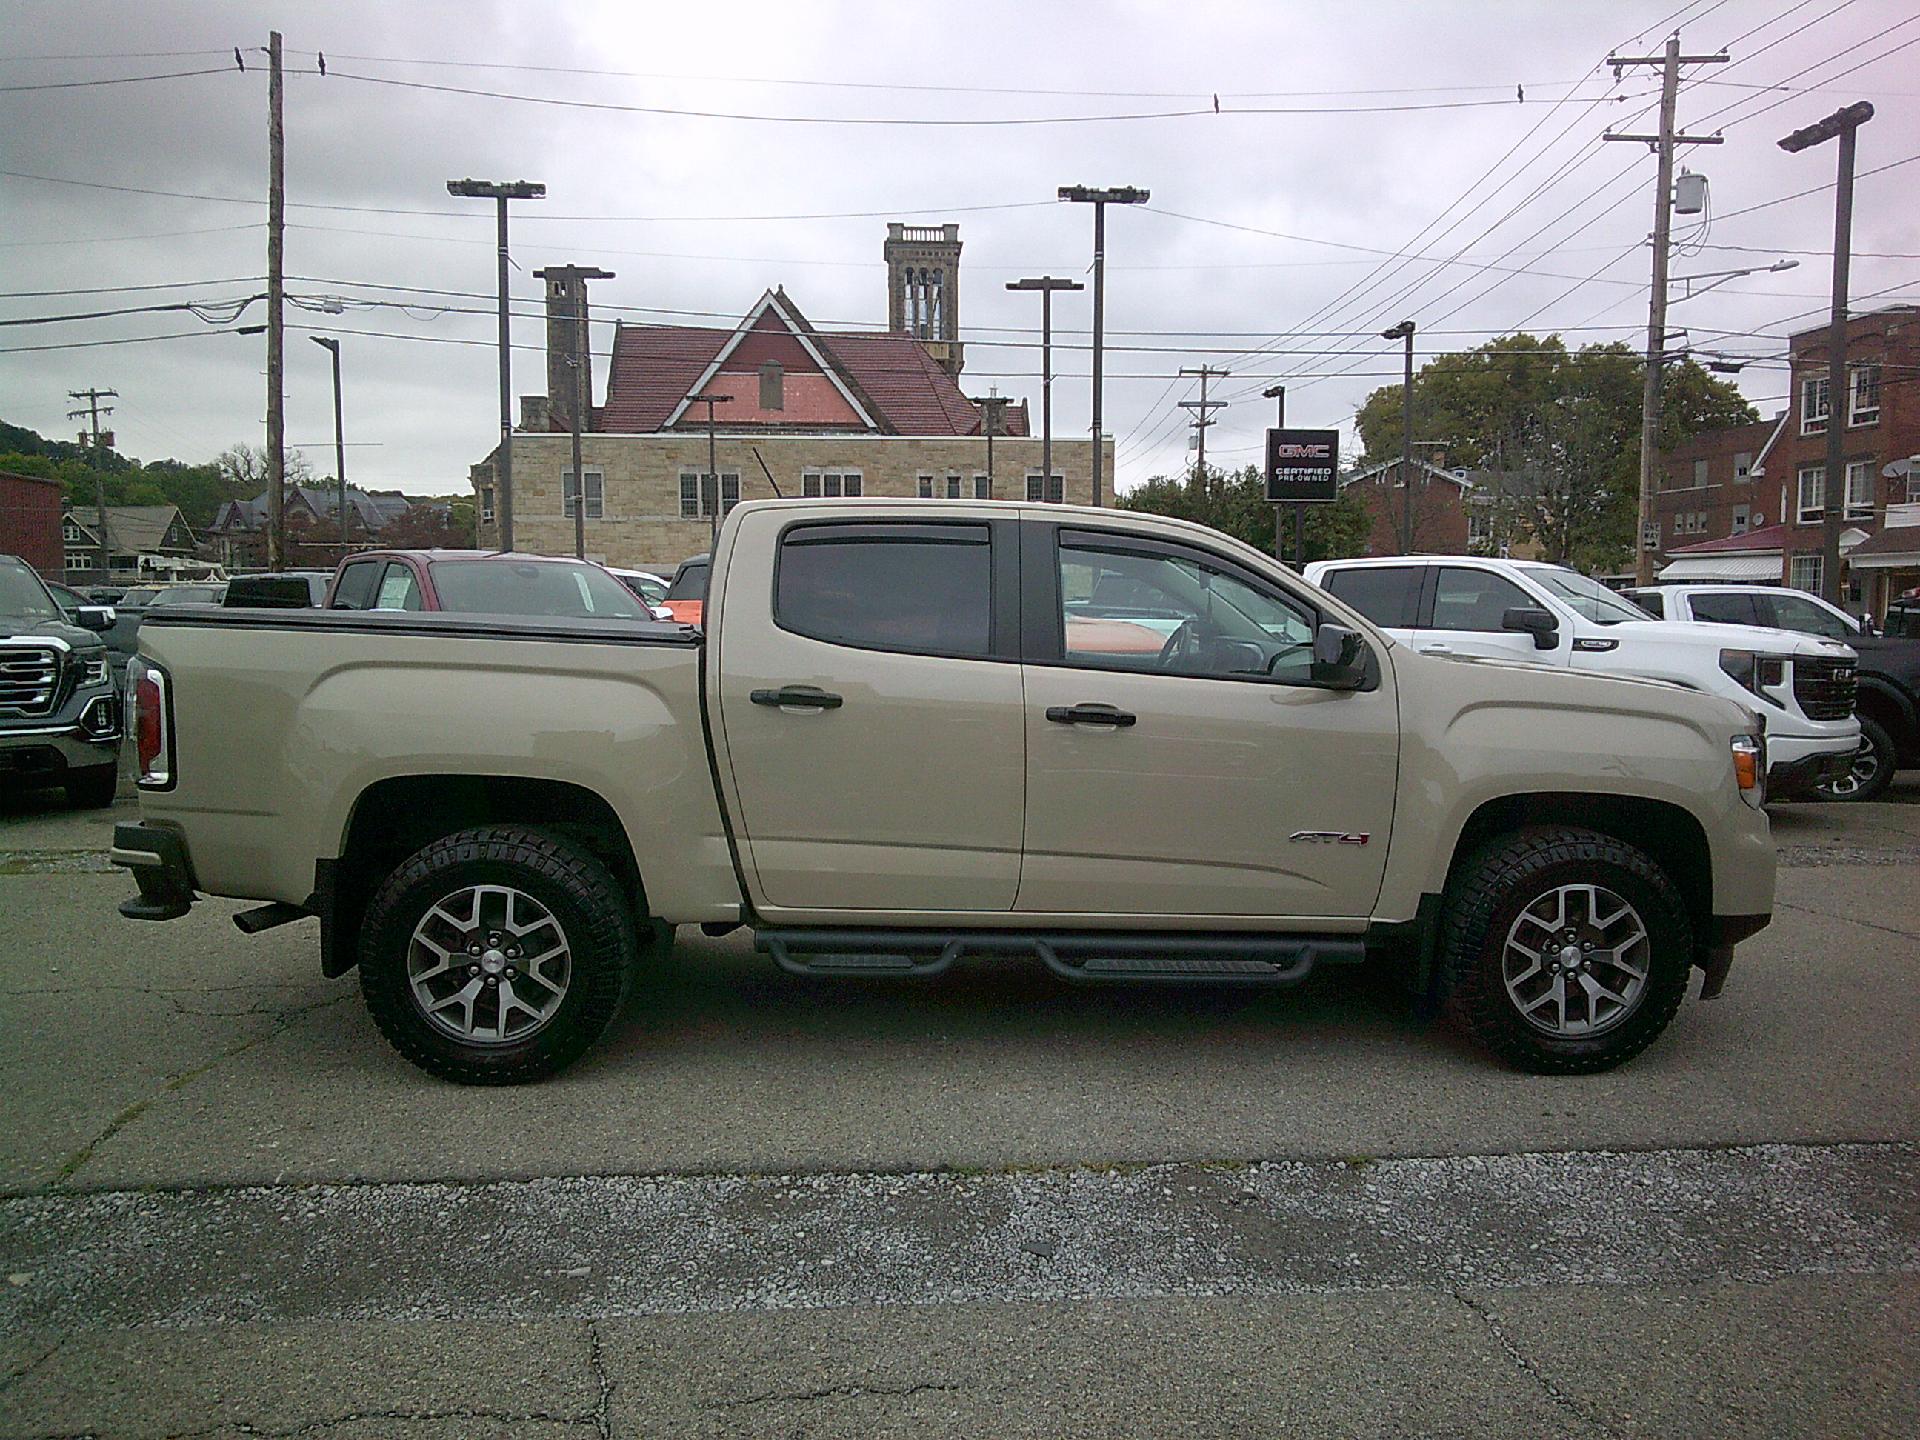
1044 282
1784 265
326 342
1112 195
1849 118
1402 331
1273 392
498 189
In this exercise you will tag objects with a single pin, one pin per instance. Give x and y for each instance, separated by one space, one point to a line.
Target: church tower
923 288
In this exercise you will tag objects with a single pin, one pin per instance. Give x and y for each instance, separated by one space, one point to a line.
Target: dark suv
59 713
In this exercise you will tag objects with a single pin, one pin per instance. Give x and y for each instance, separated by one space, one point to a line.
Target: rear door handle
1090 714
798 697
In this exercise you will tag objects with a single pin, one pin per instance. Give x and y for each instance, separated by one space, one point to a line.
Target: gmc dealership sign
1302 465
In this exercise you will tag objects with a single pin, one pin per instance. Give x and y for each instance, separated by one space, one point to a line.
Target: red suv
480 582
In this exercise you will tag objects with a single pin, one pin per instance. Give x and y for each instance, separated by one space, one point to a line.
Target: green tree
1235 503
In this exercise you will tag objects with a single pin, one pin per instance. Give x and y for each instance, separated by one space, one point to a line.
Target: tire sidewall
1873 735
601 944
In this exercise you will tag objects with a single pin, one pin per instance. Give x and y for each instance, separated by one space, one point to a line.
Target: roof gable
774 311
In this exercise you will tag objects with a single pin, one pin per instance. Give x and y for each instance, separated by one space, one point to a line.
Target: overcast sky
1261 225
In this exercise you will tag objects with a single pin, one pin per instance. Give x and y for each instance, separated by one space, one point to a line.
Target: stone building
796 411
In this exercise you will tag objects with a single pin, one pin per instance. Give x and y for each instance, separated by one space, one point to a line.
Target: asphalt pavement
986 1204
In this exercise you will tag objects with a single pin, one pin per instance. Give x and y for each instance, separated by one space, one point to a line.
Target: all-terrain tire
595 915
1489 892
1872 769
92 788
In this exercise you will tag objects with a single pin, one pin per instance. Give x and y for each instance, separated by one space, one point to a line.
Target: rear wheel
1565 951
92 788
1873 767
496 956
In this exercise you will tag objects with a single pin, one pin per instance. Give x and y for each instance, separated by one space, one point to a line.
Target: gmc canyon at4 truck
909 732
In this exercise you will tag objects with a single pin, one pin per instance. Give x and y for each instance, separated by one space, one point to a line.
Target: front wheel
496 956
1873 767
1565 951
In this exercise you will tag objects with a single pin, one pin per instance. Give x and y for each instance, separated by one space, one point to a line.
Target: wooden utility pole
992 405
1662 144
276 326
572 282
1202 419
1046 285
91 413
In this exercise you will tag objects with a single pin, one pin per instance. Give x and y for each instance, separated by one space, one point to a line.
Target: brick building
809 411
1451 511
30 507
1748 502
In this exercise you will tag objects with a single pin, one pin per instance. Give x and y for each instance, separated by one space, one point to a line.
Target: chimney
566 316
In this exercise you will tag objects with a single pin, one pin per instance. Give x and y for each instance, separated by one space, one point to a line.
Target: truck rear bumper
158 859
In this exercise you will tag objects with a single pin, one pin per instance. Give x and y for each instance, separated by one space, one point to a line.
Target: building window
1803 573
1742 467
1863 402
955 488
570 494
1859 490
79 560
696 494
1740 519
1813 405
1700 474
486 502
1813 494
830 484
982 488
1048 489
926 487
72 533
1479 531
772 386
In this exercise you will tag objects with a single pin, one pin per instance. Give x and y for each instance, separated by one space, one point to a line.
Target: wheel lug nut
511 972
473 970
491 982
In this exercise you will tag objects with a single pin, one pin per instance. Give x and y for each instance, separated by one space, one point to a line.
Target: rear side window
1651 601
924 589
1790 612
689 581
1476 600
355 590
1388 595
1725 609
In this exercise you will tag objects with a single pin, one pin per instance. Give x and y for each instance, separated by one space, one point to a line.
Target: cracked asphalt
982 1205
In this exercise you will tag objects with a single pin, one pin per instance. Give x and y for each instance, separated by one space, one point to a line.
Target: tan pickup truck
911 732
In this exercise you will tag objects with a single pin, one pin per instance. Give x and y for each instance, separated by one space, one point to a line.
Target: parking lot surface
985 1204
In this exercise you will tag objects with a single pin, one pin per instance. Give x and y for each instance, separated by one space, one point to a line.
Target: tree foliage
1555 432
1235 503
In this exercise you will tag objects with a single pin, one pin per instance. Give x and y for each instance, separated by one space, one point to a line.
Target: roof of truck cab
432 556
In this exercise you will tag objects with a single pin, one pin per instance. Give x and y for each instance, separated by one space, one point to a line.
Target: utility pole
1046 285
91 412
1404 331
276 320
713 469
1203 409
1278 394
1843 125
1100 199
500 192
991 405
328 343
1662 145
573 281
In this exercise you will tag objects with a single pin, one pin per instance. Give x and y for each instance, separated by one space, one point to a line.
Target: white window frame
1053 493
1812 477
925 488
982 487
596 493
1742 467
822 483
956 486
1803 573
1742 519
1861 508
701 496
1816 405
78 559
1859 379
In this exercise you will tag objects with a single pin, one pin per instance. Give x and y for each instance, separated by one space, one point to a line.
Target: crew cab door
1464 613
870 710
1180 761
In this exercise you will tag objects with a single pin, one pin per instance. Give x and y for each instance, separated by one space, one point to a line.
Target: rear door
1180 762
870 700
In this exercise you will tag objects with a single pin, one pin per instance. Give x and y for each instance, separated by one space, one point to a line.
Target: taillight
152 737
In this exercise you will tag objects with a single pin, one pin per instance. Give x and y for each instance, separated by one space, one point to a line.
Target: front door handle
798 697
1090 714
1436 649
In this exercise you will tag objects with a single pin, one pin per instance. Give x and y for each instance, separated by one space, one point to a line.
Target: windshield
532 587
22 595
1589 597
646 587
187 595
690 583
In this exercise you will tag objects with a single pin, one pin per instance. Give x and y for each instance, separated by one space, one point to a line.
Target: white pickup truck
910 732
1802 686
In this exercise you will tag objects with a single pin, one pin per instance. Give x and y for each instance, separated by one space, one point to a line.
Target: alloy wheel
1575 961
489 965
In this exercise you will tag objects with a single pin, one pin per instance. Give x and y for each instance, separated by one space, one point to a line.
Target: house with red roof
783 407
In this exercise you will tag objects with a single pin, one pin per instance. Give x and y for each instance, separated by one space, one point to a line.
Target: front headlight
93 669
1754 672
1750 768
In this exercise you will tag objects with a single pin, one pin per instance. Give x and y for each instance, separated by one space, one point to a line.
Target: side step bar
1225 958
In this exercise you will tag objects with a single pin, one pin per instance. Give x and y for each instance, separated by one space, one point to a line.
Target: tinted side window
1651 601
1476 599
1726 609
398 589
926 590
1388 595
689 582
355 590
1790 612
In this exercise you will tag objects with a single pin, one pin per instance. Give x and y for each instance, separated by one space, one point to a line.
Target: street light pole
713 468
1100 199
1843 125
332 345
501 191
1046 285
1404 331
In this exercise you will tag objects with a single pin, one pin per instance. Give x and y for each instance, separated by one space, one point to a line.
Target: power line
117 80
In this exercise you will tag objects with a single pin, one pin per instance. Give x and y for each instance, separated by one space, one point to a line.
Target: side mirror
1530 621
1339 658
98 618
